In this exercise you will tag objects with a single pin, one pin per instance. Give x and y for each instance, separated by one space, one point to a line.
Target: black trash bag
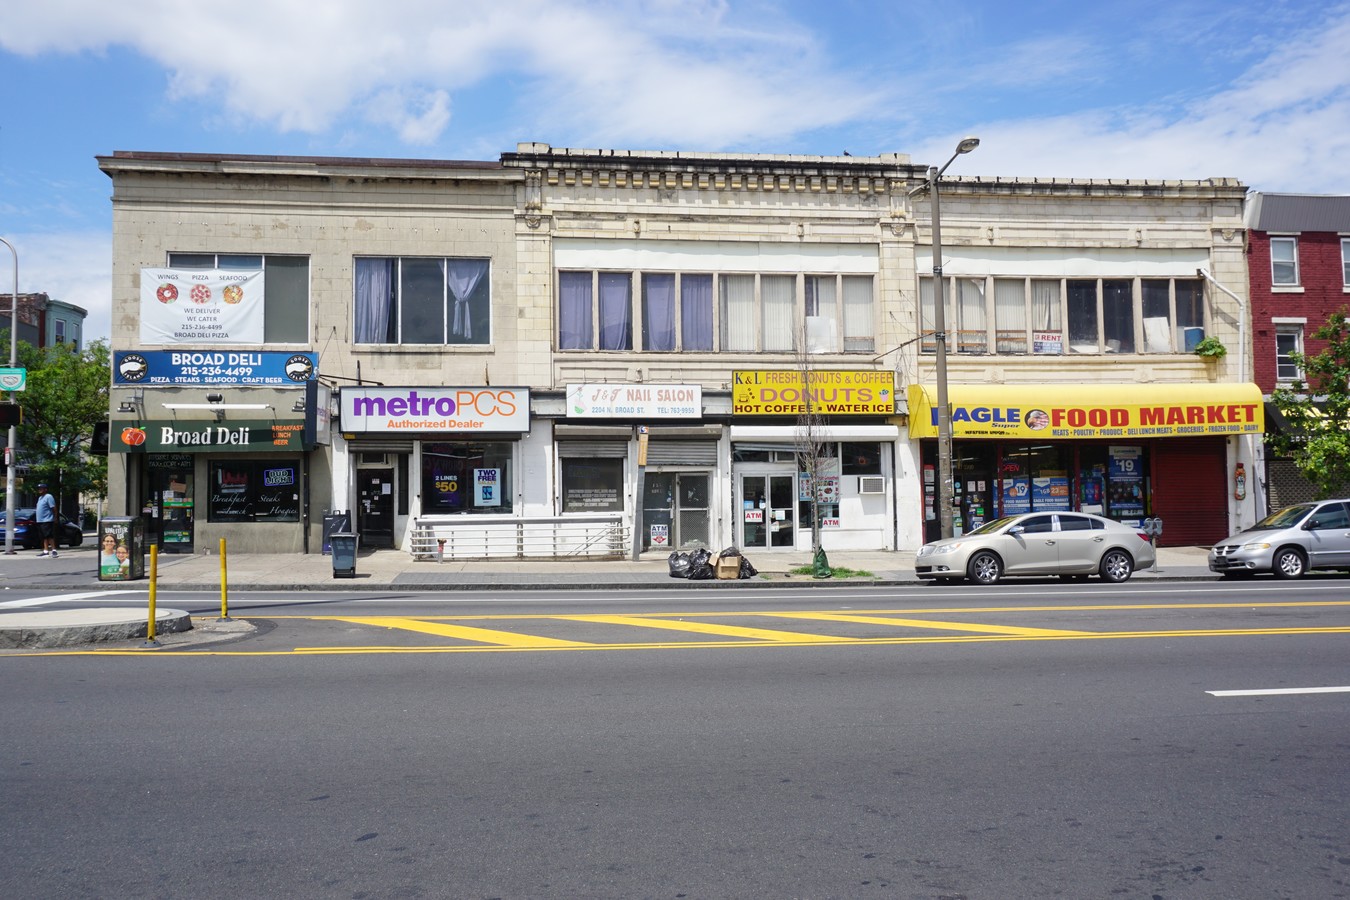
679 564
747 570
730 552
700 565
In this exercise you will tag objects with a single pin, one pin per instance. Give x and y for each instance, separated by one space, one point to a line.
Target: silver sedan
1038 544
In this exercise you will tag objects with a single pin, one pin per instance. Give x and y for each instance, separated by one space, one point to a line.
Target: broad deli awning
1087 411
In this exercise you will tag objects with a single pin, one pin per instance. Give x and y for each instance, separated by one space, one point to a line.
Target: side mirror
1016 530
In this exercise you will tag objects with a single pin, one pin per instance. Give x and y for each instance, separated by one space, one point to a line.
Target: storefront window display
592 485
992 479
253 490
466 478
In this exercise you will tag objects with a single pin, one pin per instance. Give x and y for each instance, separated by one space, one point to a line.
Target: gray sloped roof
1298 212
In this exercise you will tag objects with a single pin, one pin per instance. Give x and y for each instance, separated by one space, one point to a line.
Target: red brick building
1298 270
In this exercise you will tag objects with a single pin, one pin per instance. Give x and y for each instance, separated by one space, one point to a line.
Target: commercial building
573 351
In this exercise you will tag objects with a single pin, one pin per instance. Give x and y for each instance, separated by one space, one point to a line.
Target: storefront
431 451
622 440
1127 452
823 453
219 444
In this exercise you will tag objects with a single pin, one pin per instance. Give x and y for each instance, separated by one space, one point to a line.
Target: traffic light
10 414
98 443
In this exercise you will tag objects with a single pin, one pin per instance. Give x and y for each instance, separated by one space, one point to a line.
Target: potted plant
1211 349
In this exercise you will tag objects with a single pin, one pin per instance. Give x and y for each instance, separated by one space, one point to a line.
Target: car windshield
991 527
1284 518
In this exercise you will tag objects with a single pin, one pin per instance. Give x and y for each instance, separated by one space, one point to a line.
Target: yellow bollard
154 572
224 590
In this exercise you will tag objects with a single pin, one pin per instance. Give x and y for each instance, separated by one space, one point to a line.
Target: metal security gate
1190 490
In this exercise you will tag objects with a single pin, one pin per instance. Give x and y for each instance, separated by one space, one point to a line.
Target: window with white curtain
1030 315
710 312
972 322
1047 317
778 303
1010 315
422 300
860 327
738 312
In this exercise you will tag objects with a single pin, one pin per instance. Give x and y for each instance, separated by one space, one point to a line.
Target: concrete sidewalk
76 570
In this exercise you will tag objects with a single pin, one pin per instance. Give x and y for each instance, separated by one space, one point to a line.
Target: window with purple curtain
375 319
616 311
658 312
696 312
574 311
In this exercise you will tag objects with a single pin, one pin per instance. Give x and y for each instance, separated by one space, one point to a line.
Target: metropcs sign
392 409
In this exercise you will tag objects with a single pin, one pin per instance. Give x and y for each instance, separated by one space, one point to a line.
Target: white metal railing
538 537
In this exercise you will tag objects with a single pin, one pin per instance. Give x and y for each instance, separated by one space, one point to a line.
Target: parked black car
29 536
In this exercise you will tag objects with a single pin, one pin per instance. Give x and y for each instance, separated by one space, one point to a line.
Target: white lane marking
1270 691
62 598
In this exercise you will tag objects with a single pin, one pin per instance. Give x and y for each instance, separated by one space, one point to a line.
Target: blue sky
1147 89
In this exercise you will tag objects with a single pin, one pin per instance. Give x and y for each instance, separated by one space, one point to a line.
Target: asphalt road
1025 741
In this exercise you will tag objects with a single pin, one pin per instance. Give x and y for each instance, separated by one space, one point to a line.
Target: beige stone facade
784 228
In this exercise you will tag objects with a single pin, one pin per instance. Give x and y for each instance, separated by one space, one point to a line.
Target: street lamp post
13 446
945 493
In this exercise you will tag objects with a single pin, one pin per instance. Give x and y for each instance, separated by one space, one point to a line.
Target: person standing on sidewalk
46 520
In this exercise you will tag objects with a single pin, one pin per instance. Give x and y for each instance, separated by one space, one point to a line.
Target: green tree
66 396
1318 410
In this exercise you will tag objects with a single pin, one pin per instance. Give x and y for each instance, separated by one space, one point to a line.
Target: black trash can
121 548
344 554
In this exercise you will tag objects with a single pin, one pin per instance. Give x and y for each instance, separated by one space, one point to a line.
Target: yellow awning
1090 411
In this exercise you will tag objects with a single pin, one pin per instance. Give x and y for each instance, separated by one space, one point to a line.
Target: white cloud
664 71
1285 125
74 267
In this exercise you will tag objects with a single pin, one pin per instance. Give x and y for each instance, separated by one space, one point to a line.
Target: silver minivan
1288 542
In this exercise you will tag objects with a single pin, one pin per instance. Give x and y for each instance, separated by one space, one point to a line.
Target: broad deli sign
478 409
208 437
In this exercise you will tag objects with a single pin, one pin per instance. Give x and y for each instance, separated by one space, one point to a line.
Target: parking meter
1153 528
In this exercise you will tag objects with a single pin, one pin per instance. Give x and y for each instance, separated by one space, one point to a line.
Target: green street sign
13 379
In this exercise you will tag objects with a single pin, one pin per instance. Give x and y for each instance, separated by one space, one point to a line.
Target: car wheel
1117 566
984 567
1289 563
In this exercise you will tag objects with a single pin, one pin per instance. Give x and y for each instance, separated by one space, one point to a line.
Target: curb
73 627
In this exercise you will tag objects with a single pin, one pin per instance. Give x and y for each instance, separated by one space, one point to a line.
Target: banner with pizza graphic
201 306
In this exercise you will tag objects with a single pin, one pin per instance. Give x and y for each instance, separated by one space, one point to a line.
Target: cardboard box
728 568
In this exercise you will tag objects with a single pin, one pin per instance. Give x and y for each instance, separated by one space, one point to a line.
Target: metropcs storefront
1182 452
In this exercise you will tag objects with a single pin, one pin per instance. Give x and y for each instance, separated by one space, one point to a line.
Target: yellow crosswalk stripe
463 632
927 623
763 634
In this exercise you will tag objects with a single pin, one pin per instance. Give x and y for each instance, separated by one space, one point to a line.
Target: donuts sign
201 306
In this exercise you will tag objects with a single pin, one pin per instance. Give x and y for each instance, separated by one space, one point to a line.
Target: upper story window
1288 340
420 300
285 289
1345 261
705 312
60 329
1284 262
1051 316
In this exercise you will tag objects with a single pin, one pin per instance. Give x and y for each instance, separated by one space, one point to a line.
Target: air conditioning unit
366 458
871 484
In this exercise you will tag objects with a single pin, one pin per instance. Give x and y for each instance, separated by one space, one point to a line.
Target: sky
1258 91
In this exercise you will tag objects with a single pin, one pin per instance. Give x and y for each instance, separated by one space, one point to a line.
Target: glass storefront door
168 506
767 505
675 504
